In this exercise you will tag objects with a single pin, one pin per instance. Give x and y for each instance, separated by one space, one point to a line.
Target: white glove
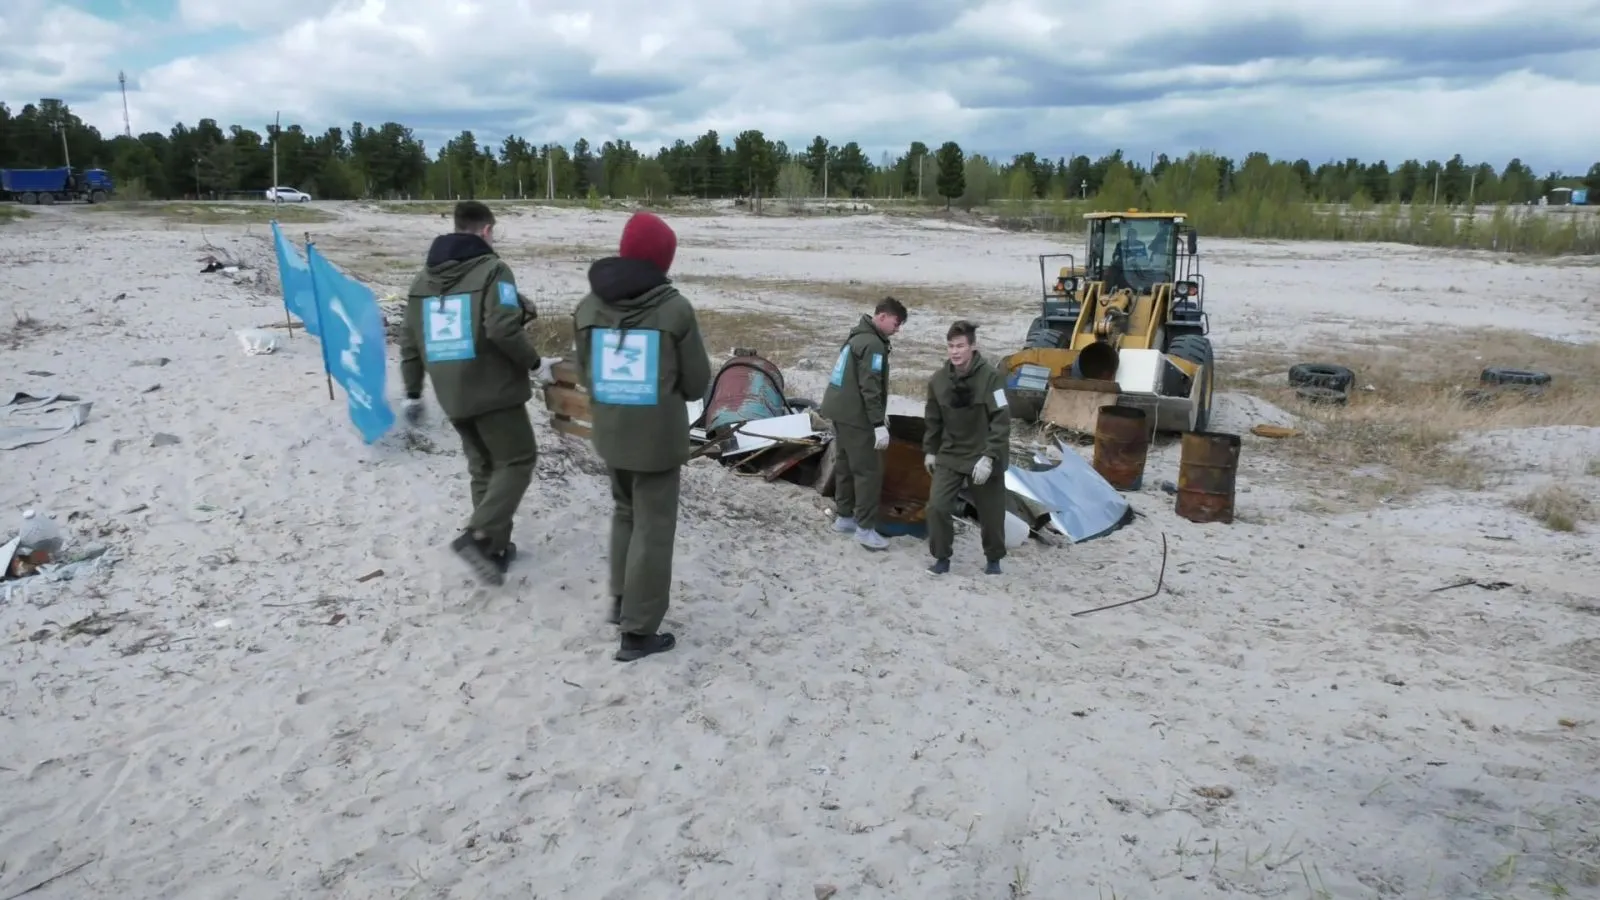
880 437
412 410
980 472
928 462
545 373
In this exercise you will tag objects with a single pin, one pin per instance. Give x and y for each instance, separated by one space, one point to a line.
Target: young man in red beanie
643 360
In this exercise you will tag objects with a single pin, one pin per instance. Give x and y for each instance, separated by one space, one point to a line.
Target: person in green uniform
463 328
966 447
643 360
856 402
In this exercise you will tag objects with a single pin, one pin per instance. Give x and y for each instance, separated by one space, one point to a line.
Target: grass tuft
1556 507
1414 396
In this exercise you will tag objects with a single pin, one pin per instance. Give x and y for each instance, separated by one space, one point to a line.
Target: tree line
389 161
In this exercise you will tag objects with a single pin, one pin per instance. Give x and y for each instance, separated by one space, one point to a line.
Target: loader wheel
1197 349
1042 336
1312 393
1323 375
1496 375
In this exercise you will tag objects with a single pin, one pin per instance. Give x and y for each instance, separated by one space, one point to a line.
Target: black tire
1323 375
1197 349
97 197
1496 375
28 198
1326 396
800 403
47 199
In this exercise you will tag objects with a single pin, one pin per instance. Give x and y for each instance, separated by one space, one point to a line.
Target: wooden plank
565 401
568 426
566 372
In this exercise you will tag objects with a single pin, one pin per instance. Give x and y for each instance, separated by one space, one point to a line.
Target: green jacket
638 397
463 327
967 417
858 390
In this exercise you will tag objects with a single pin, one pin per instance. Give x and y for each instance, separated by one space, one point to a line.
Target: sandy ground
1295 716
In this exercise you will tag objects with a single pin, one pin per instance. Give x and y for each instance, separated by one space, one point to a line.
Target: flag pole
288 321
316 298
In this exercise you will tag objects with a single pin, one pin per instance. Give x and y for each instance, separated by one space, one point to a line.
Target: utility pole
1436 185
127 123
921 158
549 173
824 178
277 126
1472 193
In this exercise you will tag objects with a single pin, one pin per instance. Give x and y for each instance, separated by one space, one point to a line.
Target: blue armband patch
508 294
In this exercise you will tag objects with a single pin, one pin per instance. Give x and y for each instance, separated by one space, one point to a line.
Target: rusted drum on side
1121 443
1207 470
1098 361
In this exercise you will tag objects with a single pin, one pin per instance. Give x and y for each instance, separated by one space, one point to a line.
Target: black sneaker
503 559
993 568
475 553
638 646
939 567
614 617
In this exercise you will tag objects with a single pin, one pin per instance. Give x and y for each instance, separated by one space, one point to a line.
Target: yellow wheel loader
1127 328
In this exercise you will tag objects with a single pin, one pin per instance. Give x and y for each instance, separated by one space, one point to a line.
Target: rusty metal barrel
1207 469
1121 443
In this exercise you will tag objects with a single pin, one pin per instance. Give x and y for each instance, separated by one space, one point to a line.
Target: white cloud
1490 79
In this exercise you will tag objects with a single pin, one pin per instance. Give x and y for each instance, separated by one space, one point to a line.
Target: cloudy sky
1490 79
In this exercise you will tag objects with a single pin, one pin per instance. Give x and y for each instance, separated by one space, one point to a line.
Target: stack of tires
1322 383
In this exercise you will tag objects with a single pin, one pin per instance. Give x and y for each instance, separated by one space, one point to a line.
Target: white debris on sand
241 707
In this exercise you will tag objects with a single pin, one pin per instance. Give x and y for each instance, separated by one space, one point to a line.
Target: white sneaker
844 525
871 539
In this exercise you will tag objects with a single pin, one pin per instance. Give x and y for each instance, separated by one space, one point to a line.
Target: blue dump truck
47 186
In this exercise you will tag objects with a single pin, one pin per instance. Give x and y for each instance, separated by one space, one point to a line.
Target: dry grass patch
221 213
1593 469
23 329
10 212
783 339
1414 395
1556 507
916 297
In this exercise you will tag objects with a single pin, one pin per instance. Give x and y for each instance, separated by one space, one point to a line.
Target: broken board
567 400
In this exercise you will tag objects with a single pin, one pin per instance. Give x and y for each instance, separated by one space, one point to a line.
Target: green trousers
857 475
501 457
988 498
644 525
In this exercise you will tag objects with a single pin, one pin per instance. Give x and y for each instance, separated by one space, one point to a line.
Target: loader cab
1137 252
1149 254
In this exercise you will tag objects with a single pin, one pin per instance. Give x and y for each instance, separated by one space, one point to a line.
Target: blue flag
299 297
352 344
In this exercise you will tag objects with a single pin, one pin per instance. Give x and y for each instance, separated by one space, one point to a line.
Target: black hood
616 280
456 248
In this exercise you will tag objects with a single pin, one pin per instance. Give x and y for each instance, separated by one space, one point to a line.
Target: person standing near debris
463 328
856 401
643 360
966 445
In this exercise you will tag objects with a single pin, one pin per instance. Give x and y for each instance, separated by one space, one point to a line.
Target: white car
287 195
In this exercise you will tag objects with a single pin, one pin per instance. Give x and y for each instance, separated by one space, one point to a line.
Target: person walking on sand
966 445
642 358
856 402
463 328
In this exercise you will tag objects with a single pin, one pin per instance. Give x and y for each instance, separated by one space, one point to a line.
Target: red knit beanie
648 238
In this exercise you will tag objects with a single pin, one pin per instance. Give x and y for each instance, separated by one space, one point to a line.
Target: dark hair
893 307
472 215
961 328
